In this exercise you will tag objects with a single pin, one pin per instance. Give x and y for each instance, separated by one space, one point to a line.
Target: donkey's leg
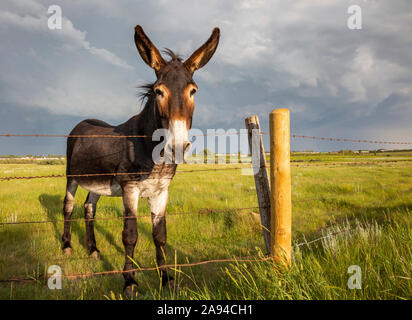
158 205
89 214
129 236
68 205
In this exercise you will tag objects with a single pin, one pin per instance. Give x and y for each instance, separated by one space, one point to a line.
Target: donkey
169 106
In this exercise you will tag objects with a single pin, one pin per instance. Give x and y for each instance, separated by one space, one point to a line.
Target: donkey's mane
172 55
146 91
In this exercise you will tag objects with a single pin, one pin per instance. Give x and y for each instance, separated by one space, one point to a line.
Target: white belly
145 188
103 188
152 187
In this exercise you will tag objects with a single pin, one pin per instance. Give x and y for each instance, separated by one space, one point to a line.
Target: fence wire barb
321 238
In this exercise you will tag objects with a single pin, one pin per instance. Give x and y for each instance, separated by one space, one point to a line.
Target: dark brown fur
166 99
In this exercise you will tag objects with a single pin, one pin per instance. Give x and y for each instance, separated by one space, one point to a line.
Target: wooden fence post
261 177
280 195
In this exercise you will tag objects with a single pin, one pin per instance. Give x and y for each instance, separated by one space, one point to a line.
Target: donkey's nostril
186 147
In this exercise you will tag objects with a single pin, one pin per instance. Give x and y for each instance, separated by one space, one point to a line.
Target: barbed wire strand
140 269
181 265
356 163
322 238
359 163
37 135
9 135
349 140
200 212
54 258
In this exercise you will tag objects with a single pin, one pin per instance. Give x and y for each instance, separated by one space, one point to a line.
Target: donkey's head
174 88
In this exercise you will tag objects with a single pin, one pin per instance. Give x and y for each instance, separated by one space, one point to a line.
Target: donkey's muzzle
177 153
186 148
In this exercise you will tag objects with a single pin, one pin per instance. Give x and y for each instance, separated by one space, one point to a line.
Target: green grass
320 270
375 201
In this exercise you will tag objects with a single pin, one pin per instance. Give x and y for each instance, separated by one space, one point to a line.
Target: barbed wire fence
260 258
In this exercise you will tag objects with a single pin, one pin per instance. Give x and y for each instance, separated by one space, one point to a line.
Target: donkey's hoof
95 255
131 291
67 251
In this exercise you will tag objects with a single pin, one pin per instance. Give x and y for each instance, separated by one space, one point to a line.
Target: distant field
371 156
373 200
405 155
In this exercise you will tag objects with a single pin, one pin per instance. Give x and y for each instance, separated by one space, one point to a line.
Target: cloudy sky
299 54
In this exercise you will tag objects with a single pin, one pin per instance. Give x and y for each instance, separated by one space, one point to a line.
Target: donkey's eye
159 92
192 92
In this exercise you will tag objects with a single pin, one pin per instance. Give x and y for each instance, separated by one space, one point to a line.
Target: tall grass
382 250
373 201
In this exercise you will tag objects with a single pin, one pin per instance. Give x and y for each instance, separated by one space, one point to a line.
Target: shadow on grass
53 205
107 234
17 252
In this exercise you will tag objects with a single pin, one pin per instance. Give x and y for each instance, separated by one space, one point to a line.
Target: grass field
373 202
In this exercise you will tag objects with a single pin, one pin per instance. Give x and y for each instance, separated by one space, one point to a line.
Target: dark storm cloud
295 54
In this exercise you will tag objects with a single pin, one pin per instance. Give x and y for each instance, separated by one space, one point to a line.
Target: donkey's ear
202 55
149 53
